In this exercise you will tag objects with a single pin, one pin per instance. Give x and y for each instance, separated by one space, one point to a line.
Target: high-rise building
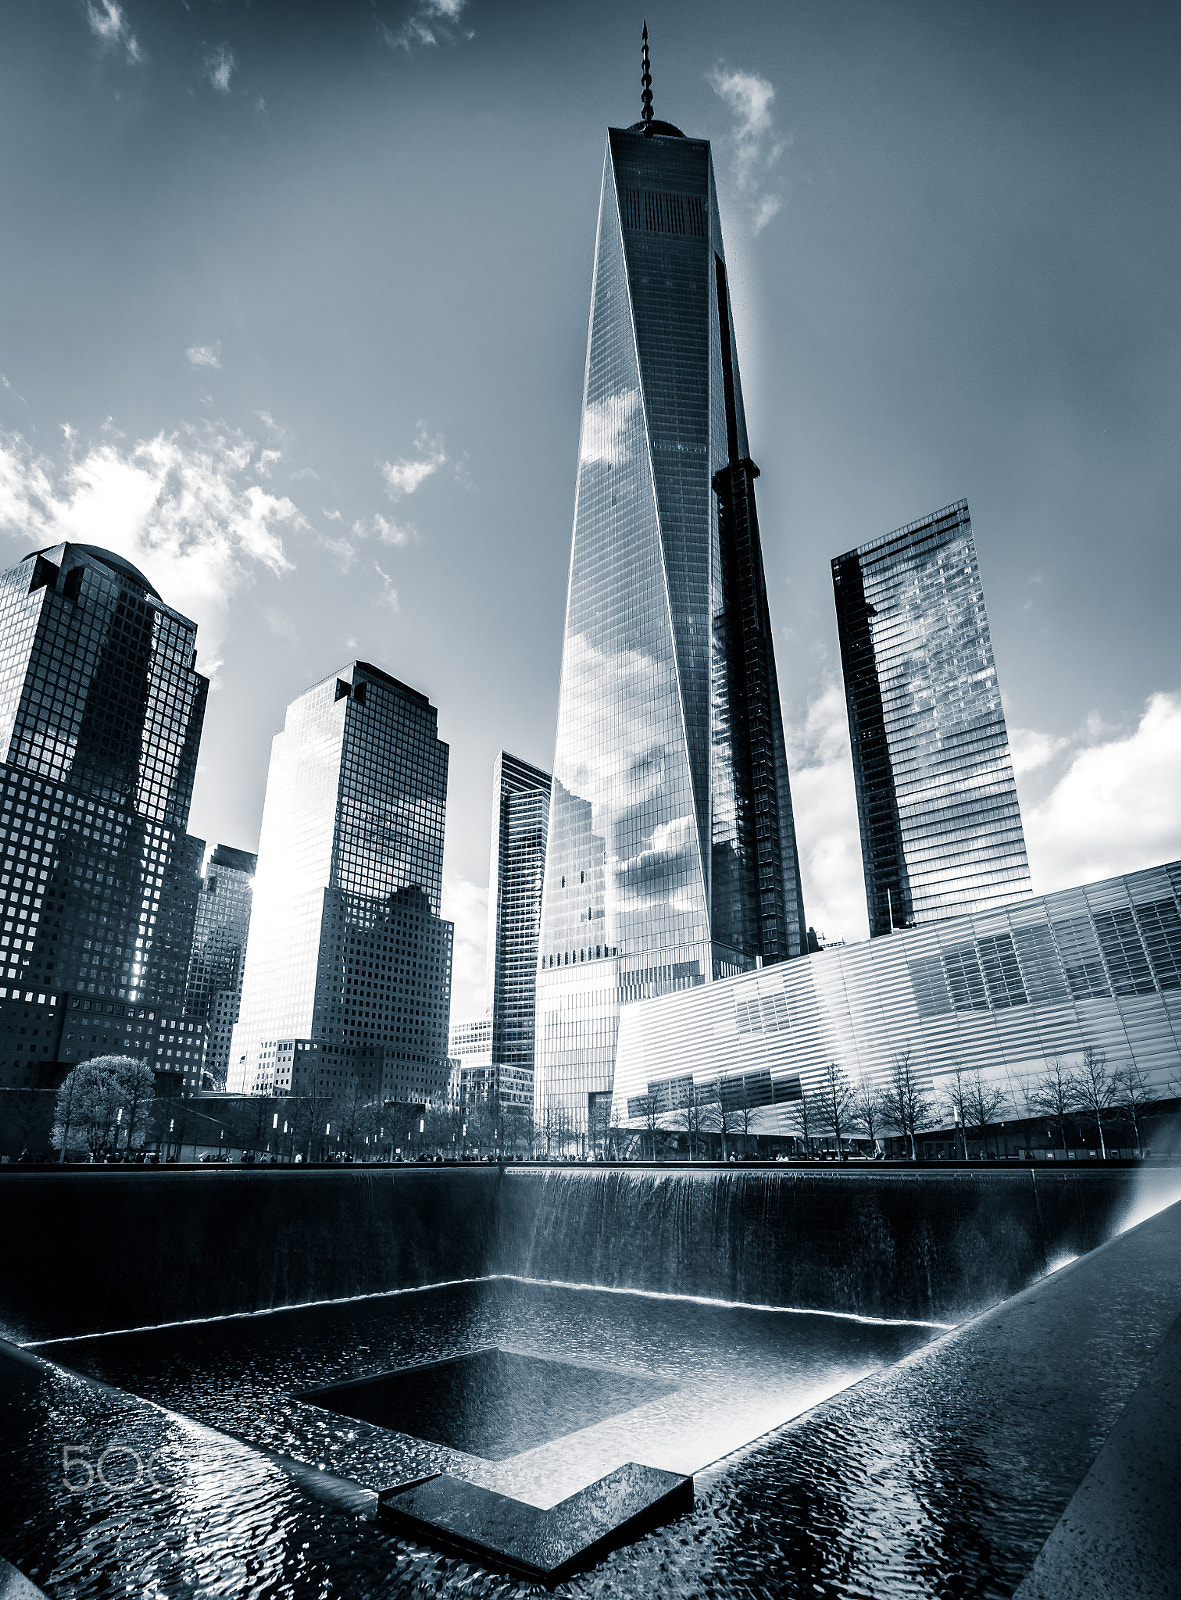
516 874
671 858
348 967
101 708
936 800
222 924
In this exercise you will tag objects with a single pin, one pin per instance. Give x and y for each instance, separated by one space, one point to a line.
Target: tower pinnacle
646 82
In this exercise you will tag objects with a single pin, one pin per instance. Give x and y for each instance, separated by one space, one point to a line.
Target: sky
293 312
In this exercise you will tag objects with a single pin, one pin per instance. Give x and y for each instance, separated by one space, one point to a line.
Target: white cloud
411 472
388 595
756 149
1031 750
183 507
1116 808
204 355
341 550
109 24
219 67
428 22
382 529
466 904
824 804
605 428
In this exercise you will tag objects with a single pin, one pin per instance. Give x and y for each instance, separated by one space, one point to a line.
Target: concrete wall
98 1249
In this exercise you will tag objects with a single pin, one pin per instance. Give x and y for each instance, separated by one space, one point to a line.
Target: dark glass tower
520 818
101 709
671 858
348 967
214 989
937 803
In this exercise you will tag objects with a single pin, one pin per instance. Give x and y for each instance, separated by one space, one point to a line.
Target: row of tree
110 1106
840 1108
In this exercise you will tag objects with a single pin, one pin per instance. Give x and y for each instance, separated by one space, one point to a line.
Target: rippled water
940 1474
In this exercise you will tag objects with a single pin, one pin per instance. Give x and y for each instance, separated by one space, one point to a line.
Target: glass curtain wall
653 864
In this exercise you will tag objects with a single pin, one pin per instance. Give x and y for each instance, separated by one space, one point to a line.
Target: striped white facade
1001 991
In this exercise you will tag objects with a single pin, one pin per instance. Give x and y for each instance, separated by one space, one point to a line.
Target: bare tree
742 1108
1055 1095
835 1102
692 1113
716 1112
556 1129
867 1110
1095 1090
905 1101
1133 1095
955 1094
620 1134
985 1101
647 1108
803 1114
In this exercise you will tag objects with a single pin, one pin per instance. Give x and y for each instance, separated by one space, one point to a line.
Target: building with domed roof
101 711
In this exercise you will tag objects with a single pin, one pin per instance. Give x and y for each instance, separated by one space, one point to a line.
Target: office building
214 989
516 875
671 857
477 1079
1000 992
936 800
348 968
101 709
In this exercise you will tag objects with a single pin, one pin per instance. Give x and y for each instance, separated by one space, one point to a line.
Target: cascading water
887 1243
95 1250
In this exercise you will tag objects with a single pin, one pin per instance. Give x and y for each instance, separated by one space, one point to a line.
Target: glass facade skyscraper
671 857
936 799
101 709
214 989
348 966
516 874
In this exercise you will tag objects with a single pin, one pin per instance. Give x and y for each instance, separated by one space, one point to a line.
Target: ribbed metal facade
1001 992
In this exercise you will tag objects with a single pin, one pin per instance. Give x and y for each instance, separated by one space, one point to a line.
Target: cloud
382 529
411 472
219 66
756 149
606 428
1031 750
428 22
466 904
1115 809
204 355
341 550
184 507
109 25
824 804
388 595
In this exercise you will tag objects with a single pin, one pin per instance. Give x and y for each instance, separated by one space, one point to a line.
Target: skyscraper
214 989
671 857
348 966
516 874
101 708
936 800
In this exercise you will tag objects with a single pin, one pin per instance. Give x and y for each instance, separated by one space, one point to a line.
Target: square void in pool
490 1403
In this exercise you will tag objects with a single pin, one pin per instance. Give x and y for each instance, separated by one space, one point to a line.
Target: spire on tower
646 82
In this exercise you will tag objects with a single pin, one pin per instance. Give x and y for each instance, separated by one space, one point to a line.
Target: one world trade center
671 858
